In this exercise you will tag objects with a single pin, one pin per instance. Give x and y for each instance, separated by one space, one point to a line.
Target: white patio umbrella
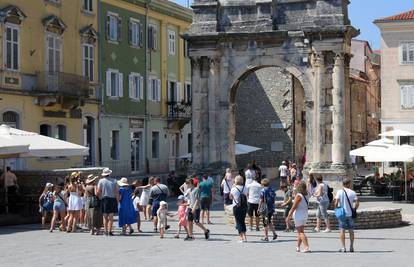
42 146
240 150
395 153
373 148
245 149
396 133
25 144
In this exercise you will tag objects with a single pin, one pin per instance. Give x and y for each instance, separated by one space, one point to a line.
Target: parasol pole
6 199
406 176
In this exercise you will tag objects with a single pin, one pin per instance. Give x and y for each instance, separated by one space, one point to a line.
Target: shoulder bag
354 212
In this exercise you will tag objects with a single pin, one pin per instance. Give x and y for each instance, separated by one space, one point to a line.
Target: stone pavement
27 245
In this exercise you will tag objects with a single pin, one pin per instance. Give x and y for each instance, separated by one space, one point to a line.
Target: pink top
182 215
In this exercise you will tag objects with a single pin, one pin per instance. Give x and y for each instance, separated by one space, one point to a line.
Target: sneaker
327 230
316 230
257 229
188 238
343 250
297 249
274 236
207 234
351 249
307 250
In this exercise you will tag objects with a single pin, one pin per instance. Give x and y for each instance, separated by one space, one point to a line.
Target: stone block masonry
264 114
373 218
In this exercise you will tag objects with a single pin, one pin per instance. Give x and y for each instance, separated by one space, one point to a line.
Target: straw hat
106 172
49 185
74 174
123 182
163 203
91 179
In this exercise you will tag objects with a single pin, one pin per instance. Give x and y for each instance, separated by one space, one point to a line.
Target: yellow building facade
49 80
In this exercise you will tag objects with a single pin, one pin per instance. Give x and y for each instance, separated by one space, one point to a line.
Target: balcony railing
62 83
179 110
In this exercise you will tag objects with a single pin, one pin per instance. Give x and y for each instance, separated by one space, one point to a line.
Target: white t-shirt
343 201
250 175
227 185
254 190
236 193
283 170
136 202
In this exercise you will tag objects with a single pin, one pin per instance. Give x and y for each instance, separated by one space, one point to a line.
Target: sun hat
106 172
163 203
123 182
48 185
181 197
91 179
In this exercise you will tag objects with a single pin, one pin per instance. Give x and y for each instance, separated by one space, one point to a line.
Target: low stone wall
372 218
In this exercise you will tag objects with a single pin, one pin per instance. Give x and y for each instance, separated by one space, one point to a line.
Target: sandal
307 250
265 239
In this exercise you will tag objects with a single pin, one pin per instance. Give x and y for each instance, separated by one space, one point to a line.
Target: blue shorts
155 207
346 224
59 206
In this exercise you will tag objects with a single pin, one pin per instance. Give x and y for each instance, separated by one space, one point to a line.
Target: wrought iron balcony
60 83
179 111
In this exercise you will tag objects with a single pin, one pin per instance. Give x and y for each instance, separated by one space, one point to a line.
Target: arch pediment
89 34
54 24
12 14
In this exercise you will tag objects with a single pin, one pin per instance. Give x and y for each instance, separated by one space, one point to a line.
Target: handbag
354 212
340 213
263 209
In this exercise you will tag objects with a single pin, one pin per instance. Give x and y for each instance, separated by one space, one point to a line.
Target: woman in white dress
75 202
299 212
144 198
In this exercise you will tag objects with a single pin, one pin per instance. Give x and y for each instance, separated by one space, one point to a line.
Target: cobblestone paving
30 246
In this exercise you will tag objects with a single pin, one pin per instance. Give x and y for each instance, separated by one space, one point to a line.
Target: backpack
330 193
242 203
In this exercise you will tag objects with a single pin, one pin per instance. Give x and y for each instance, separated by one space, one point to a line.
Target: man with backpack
159 192
193 211
267 209
348 200
239 196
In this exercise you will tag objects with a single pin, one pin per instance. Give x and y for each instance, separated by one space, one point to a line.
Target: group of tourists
88 203
252 195
91 203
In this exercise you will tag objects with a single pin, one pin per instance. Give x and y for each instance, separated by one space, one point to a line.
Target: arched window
46 130
11 119
60 132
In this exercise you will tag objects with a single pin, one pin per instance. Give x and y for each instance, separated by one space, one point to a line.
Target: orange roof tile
409 15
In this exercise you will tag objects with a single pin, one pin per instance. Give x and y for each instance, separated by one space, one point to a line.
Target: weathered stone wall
375 218
264 116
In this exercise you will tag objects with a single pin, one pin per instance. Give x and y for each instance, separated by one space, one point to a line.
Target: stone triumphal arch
309 39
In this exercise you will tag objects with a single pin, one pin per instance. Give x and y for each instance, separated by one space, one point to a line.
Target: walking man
206 196
253 193
108 192
193 212
159 192
347 199
283 173
250 174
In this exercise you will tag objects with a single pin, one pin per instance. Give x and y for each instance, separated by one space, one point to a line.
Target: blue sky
363 12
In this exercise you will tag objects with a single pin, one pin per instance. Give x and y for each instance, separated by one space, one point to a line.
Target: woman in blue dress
126 211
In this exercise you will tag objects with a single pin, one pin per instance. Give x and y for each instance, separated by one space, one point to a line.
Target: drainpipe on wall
146 135
101 108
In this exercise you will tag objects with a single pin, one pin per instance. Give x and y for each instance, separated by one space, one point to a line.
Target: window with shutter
407 96
134 32
179 92
141 85
407 53
114 83
12 47
114 27
171 42
119 19
158 90
152 37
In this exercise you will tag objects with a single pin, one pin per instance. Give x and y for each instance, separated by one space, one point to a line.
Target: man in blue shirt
206 196
267 198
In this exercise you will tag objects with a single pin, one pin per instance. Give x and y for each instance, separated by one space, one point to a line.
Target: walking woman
239 196
46 202
299 212
145 196
59 208
74 203
126 210
94 216
322 200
